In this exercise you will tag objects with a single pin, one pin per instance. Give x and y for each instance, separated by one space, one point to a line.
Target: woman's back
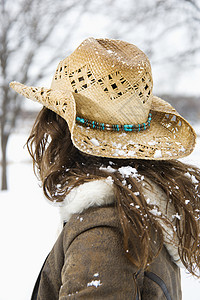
106 151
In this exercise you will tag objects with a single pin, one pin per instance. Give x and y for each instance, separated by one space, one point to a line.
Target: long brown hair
61 167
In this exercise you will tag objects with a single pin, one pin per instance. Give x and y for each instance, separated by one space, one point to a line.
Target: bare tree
27 28
151 23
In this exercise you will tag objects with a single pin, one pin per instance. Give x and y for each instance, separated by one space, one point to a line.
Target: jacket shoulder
103 216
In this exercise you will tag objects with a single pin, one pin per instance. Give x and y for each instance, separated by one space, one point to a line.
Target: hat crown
111 79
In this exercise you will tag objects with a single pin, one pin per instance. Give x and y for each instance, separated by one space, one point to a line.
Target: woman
106 149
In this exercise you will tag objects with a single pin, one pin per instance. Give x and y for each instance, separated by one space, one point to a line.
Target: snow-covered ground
29 225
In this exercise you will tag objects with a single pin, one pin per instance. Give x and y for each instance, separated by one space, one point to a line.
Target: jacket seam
83 231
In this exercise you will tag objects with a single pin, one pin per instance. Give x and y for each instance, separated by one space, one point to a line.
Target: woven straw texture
110 81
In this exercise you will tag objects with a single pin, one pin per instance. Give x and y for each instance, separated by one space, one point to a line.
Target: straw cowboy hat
104 92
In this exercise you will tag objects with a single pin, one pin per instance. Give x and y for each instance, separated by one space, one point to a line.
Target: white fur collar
100 192
92 193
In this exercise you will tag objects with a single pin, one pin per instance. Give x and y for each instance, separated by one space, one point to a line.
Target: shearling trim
93 193
155 195
100 192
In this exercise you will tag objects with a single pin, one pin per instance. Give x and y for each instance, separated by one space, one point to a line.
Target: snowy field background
29 226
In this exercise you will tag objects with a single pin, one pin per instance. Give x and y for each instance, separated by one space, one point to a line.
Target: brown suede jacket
88 262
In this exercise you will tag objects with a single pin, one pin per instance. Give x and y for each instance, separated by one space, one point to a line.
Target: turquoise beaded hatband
127 127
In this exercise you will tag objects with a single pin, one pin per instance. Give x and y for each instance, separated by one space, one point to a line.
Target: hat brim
169 136
61 102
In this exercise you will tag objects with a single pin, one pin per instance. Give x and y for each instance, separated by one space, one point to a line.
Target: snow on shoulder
95 283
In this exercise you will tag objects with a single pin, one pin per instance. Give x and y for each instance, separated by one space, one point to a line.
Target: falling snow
95 142
108 169
155 211
128 171
176 216
109 180
158 154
